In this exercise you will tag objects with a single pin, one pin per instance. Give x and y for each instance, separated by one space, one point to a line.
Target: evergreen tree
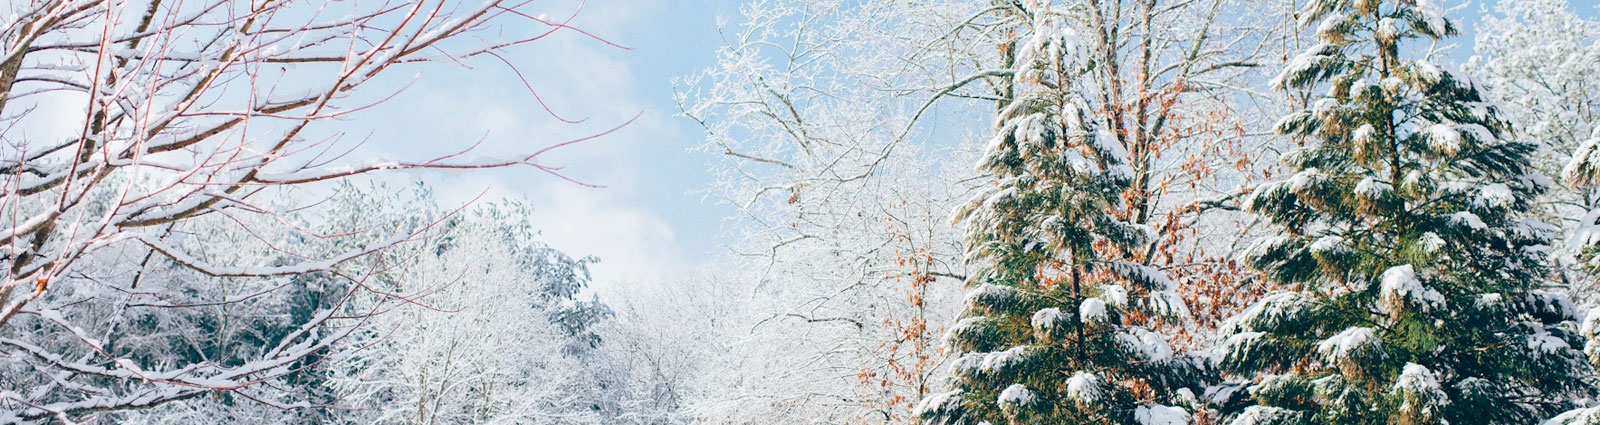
1405 237
1051 331
1583 172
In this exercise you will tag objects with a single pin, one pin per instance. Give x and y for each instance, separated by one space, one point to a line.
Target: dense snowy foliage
1414 264
842 212
1537 60
173 254
423 341
947 212
1041 239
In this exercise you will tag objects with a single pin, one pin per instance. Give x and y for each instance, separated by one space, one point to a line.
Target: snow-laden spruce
1406 241
1045 336
1583 172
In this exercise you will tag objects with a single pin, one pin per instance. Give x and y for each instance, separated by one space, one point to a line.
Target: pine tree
1405 237
1583 172
1051 332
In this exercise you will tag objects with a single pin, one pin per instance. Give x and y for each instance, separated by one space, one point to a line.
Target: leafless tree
191 112
846 130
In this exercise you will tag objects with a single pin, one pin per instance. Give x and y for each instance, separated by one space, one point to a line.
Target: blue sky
651 217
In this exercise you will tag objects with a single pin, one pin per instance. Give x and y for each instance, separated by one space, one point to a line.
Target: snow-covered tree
492 331
1537 59
1582 173
1172 85
480 323
838 124
1052 328
1412 261
151 254
830 145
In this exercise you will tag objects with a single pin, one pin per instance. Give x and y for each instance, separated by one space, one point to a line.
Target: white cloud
632 242
578 78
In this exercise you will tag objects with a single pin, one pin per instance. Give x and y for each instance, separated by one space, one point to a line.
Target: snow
987 291
1400 288
1260 246
1000 197
1122 171
1496 195
1107 144
1265 313
1083 387
1144 275
1412 178
1266 190
309 266
1046 319
1534 229
1259 415
1387 30
1148 345
964 325
1478 132
1307 180
1092 310
1185 396
1288 122
1219 394
1076 162
938 402
1325 106
967 364
1429 72
1582 168
1392 84
1371 188
1015 396
1030 130
1302 63
1591 323
1419 391
990 148
1353 343
1364 135
1582 416
1329 30
1328 244
1430 242
1490 300
1536 180
1542 342
1000 360
1588 232
1169 303
1052 43
1155 414
1444 138
1433 16
1114 294
1467 218
1480 110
